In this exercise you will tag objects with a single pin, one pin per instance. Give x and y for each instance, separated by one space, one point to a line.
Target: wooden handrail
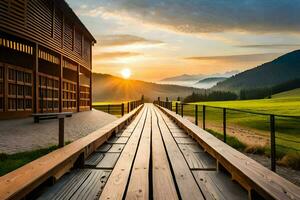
17 184
254 177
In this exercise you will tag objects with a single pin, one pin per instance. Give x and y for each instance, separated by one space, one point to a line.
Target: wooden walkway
152 158
150 153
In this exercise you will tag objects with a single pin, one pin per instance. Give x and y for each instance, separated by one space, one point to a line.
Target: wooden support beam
36 79
5 97
78 88
91 79
61 84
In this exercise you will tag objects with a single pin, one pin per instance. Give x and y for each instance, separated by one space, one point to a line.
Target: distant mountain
212 80
209 82
111 88
197 77
280 70
184 77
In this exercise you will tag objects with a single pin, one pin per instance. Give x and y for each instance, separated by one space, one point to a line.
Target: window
69 95
19 89
48 93
84 96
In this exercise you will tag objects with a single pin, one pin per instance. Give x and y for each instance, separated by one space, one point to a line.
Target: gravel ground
20 135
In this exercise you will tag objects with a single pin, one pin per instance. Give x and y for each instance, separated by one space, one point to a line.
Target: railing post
108 108
224 124
122 109
182 110
176 108
61 131
273 143
128 107
203 117
196 114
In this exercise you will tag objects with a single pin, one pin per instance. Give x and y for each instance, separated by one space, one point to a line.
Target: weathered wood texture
138 186
117 182
80 184
185 181
249 173
217 185
161 172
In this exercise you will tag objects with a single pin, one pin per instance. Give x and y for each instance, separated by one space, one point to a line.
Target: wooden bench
61 123
19 183
255 178
44 116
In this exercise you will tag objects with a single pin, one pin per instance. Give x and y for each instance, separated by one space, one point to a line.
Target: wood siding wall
45 58
44 22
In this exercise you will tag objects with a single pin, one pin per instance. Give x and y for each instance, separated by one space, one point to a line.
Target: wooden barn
45 58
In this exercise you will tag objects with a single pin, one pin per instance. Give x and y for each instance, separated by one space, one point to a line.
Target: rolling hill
295 93
110 88
280 70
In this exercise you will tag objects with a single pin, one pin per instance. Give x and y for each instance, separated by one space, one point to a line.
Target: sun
126 73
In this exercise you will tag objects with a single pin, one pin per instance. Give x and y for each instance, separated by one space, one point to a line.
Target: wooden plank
249 173
161 171
218 185
117 181
185 140
116 148
92 186
104 148
117 140
126 133
186 183
108 161
94 159
138 186
199 160
66 186
179 134
195 148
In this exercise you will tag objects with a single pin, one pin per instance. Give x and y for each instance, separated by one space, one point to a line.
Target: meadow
253 130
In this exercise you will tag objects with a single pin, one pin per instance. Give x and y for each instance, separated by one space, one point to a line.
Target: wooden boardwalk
158 155
150 158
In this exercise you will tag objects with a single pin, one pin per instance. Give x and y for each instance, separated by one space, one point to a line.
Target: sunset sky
162 38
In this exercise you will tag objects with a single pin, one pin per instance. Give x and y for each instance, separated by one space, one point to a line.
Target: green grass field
252 129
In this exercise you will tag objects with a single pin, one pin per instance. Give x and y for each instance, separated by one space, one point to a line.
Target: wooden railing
193 110
118 109
49 168
256 179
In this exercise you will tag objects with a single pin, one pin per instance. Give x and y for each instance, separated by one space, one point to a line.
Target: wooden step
108 161
218 185
79 184
94 159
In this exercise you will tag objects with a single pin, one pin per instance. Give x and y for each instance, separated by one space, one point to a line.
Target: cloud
115 55
205 16
121 40
271 46
236 58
